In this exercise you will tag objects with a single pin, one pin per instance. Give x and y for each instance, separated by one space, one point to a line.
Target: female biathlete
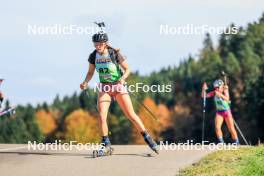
1 94
223 111
106 60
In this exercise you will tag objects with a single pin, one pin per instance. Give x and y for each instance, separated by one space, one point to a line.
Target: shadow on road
45 153
74 154
126 154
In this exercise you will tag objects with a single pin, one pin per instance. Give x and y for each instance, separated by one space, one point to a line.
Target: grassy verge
243 162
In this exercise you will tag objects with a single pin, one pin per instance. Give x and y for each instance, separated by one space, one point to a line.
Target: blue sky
37 68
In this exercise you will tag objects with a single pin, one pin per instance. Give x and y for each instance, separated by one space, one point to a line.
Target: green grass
246 161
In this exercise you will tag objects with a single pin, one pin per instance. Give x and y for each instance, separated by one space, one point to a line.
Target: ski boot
151 143
235 142
220 141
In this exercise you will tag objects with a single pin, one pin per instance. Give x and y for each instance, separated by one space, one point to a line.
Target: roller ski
103 151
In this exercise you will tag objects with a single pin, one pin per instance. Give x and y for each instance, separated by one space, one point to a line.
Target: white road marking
14 148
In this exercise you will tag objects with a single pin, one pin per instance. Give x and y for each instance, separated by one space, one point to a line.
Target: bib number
103 70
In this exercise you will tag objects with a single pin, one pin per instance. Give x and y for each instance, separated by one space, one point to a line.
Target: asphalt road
17 160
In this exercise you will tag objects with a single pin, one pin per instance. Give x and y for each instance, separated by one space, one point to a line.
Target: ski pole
236 125
87 94
145 107
204 104
204 109
243 137
101 25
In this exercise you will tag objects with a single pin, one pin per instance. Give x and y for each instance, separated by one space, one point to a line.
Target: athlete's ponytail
117 50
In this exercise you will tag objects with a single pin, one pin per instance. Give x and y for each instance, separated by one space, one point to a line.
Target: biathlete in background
223 111
109 63
1 94
10 110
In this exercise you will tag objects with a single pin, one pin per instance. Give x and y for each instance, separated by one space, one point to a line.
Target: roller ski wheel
155 149
103 152
95 153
